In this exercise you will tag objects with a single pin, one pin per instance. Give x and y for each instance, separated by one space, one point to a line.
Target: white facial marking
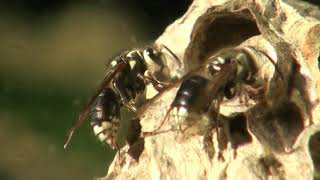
150 62
97 129
102 137
132 63
217 68
109 141
215 62
113 63
147 58
221 60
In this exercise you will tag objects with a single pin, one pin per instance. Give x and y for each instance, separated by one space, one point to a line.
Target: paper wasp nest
274 136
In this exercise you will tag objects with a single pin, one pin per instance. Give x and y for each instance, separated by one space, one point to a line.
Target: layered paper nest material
275 139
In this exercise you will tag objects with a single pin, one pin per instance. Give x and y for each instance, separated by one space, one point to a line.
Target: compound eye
150 52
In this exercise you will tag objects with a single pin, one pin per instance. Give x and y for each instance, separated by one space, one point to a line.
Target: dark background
52 56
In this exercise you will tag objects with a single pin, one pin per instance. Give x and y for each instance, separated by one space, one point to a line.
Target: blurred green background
52 56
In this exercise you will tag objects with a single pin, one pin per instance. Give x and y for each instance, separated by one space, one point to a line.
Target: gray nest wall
275 134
